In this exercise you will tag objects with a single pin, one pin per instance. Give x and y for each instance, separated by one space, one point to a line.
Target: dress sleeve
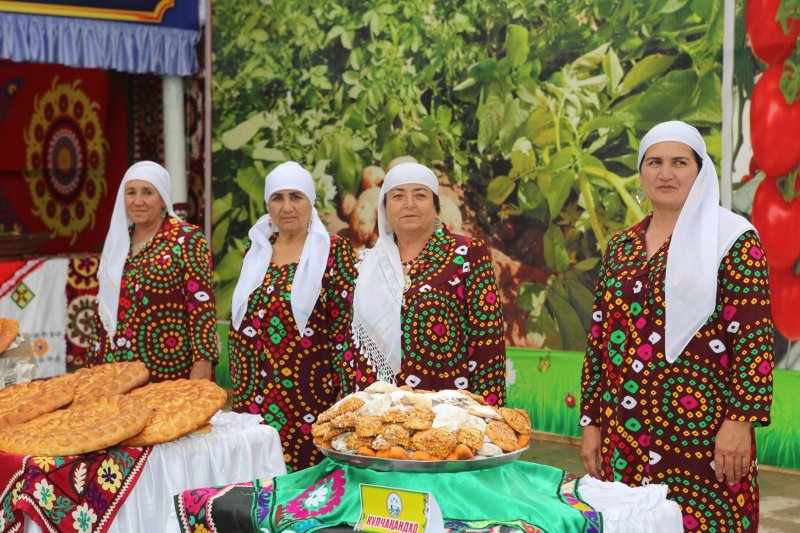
201 307
98 342
592 374
744 304
339 280
486 340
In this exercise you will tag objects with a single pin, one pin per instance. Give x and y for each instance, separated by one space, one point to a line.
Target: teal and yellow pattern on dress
659 420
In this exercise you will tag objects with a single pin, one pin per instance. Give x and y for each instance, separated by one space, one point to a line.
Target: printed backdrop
65 149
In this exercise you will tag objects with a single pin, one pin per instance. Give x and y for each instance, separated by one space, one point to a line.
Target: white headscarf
378 297
117 245
307 281
704 233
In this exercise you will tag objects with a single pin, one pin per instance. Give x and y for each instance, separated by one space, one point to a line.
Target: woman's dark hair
699 160
436 203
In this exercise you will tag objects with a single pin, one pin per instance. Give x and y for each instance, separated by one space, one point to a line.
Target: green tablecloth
527 496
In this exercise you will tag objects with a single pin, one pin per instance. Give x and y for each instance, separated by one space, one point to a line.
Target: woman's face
668 172
410 209
290 211
143 204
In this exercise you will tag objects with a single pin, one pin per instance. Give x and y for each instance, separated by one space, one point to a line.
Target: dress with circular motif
167 311
287 377
659 420
452 322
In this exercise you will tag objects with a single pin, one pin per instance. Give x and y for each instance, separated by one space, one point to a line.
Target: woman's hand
732 451
590 450
201 369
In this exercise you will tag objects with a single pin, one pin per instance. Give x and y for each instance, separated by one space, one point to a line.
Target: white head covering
701 239
117 245
378 295
307 281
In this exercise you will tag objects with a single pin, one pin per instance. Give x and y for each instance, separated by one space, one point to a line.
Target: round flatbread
9 329
109 379
82 428
179 407
26 401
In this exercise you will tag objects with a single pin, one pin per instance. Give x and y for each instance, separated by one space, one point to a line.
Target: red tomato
784 288
767 39
774 125
570 400
778 225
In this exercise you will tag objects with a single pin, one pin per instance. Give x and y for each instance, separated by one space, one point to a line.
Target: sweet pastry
518 419
109 379
87 427
26 401
179 407
502 435
9 330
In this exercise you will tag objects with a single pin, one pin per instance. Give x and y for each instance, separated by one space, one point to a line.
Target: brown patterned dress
659 420
288 378
452 322
167 314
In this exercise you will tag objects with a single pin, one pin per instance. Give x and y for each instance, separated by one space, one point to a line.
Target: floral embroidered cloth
519 496
73 493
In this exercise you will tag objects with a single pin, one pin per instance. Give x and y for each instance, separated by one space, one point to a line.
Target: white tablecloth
237 449
632 509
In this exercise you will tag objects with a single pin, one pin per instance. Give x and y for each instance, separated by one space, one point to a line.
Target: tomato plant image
772 32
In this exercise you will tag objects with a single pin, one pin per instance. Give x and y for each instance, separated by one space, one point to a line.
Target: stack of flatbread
103 406
401 423
9 331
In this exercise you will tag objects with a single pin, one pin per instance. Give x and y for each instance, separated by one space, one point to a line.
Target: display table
236 448
516 496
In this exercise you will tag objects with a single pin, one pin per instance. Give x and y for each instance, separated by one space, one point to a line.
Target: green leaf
516 44
239 135
531 297
573 332
490 118
251 182
499 189
587 264
581 298
221 205
673 91
531 200
229 267
557 191
671 6
645 70
219 234
555 251
268 154
613 71
223 293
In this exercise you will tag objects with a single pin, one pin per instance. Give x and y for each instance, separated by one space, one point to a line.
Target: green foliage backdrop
530 109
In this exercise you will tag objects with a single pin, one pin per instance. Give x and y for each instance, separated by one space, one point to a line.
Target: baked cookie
502 435
179 407
109 379
435 441
470 437
87 427
419 418
368 426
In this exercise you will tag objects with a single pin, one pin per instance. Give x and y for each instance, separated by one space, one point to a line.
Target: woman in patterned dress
290 314
156 299
426 311
678 370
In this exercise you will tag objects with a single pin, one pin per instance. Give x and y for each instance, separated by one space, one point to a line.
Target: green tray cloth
527 496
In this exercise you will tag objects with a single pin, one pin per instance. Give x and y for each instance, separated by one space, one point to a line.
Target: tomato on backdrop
784 286
778 225
774 125
770 44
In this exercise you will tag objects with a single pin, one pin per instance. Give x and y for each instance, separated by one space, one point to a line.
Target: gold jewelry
406 282
137 248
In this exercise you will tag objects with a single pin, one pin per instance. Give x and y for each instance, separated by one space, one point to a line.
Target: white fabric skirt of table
238 448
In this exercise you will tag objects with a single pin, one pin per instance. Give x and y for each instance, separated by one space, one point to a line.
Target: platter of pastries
391 428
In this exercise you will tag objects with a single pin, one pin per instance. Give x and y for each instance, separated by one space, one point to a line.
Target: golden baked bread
109 379
9 329
179 407
83 428
26 401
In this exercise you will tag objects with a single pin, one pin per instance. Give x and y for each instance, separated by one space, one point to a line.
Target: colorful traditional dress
452 322
288 378
659 420
167 314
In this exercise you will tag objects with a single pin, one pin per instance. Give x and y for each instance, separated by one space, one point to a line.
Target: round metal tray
381 464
